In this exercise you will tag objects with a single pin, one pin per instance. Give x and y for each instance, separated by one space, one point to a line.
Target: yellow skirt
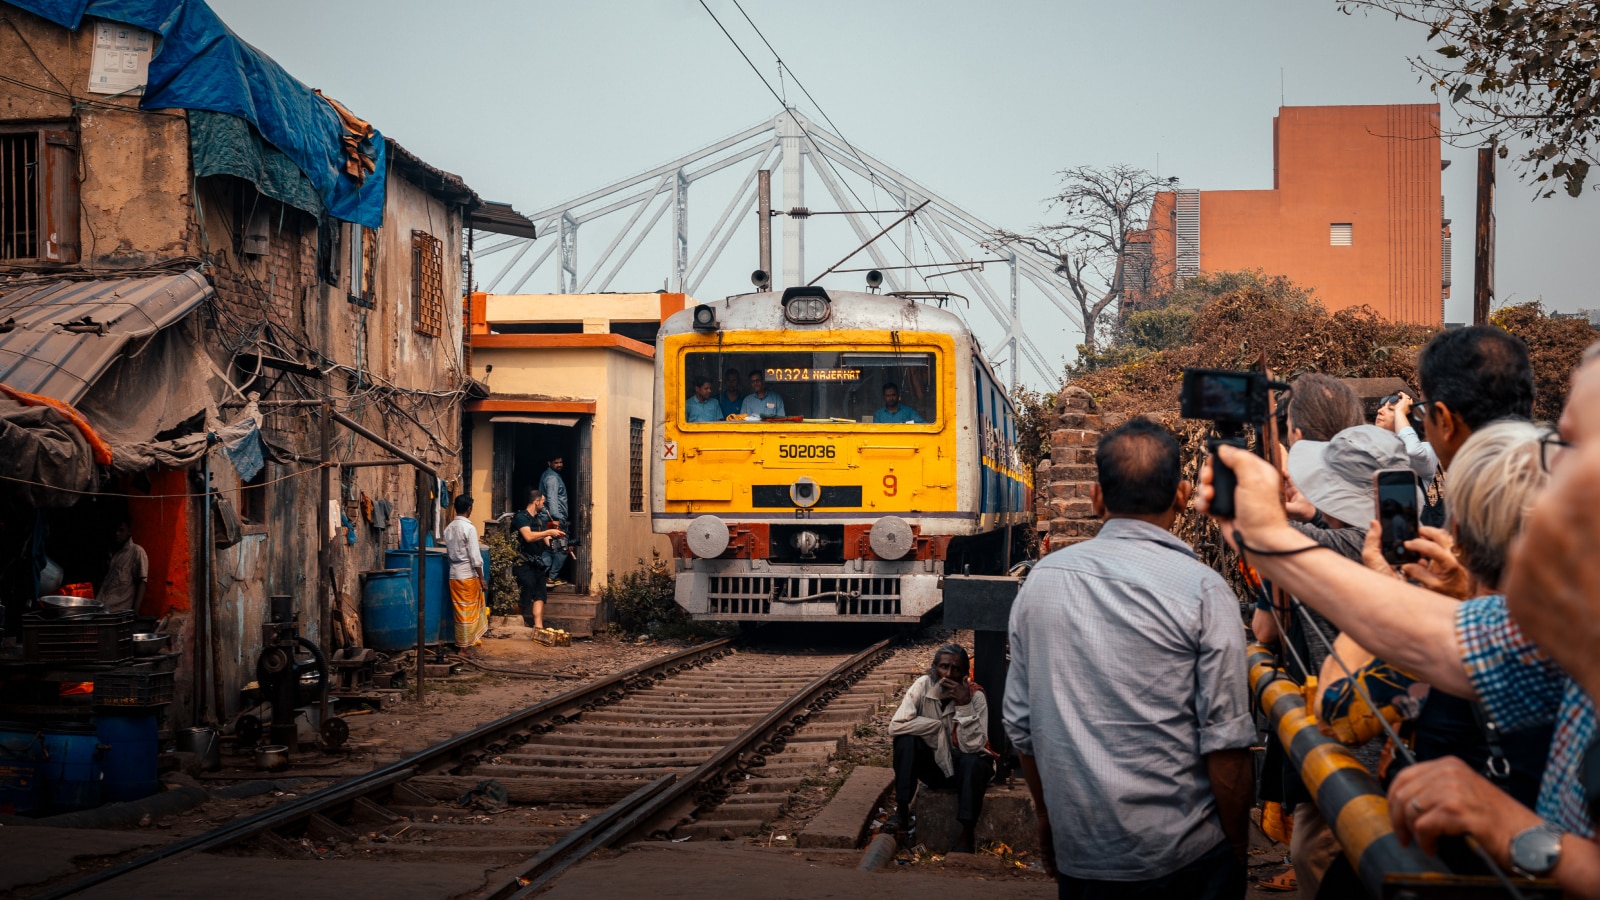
472 616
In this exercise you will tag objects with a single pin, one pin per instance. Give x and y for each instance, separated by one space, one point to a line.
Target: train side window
840 387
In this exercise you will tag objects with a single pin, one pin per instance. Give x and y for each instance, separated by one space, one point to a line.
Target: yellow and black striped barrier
1349 797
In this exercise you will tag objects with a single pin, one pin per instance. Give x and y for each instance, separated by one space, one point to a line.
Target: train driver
892 412
760 402
701 406
732 396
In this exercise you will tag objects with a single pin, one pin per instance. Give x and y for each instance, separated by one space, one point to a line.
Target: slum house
569 375
193 243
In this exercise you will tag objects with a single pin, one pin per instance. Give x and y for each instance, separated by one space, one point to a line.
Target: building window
1341 234
363 264
636 465
39 194
427 283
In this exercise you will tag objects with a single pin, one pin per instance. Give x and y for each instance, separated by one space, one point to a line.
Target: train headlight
806 305
708 537
705 318
891 537
805 492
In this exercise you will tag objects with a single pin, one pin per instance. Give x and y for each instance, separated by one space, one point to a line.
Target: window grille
427 283
636 465
38 194
1341 234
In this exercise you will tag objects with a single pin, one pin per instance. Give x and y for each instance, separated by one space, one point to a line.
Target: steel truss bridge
941 248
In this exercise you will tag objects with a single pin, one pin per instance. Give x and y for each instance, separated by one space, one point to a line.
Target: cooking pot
272 757
146 644
202 742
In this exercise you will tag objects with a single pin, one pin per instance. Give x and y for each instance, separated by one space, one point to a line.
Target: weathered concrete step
843 822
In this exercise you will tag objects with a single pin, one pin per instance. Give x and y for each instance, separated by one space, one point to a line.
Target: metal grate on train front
756 595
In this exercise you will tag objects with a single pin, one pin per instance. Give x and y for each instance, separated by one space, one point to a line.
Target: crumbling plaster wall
133 164
1064 481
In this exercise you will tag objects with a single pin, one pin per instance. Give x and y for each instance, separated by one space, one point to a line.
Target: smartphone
1397 497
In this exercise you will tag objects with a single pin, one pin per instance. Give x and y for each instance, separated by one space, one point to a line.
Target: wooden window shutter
60 188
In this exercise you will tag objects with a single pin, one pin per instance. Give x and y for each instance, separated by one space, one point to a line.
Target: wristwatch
1536 851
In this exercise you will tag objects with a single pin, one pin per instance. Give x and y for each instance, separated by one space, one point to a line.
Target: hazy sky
536 102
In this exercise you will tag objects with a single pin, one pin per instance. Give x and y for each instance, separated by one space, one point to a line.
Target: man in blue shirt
732 396
761 402
701 407
892 412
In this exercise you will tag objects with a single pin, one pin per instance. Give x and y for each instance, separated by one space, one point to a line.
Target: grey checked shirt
1127 668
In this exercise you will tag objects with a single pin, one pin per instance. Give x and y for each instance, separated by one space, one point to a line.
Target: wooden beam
563 342
581 407
1483 243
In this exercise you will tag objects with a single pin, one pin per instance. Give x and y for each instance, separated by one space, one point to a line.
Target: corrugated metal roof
58 335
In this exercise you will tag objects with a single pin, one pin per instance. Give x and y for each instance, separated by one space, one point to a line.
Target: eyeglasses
1550 447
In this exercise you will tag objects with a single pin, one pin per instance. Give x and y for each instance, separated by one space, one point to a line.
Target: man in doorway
701 406
892 413
940 732
760 402
533 532
555 494
1126 700
128 572
732 397
468 587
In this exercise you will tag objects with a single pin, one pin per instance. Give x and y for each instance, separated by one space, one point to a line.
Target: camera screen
1224 397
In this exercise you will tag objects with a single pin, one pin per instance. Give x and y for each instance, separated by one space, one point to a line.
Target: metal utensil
272 757
147 644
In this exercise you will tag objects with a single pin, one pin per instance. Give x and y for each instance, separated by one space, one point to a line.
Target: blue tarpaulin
200 64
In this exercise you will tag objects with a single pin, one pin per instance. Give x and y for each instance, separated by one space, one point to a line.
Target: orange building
1355 212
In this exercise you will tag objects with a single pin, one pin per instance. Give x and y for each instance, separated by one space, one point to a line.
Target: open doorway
523 448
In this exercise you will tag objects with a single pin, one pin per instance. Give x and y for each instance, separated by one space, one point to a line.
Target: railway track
704 743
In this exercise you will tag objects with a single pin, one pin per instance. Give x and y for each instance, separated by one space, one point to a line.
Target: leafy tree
1098 240
1528 68
1555 345
1168 322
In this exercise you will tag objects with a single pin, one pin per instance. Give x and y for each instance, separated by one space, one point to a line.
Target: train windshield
840 386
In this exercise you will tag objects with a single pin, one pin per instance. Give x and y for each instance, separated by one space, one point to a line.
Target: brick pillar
1064 480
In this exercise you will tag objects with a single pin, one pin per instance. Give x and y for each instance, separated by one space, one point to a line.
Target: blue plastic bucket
435 590
22 758
129 763
389 610
72 773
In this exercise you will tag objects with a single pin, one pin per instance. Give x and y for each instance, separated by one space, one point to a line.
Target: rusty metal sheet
58 335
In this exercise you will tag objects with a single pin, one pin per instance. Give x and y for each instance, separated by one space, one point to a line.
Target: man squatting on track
942 708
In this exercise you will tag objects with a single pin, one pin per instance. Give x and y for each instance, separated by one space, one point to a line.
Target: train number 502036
805 451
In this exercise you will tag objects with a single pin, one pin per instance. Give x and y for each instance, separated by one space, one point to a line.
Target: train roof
851 310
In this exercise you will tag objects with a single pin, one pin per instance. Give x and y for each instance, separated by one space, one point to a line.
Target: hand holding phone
1395 500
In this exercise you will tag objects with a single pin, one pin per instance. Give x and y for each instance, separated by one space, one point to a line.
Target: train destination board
806 374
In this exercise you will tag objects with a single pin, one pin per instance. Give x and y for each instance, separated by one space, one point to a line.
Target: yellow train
848 451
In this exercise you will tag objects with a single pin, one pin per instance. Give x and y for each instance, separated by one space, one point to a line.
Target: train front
806 463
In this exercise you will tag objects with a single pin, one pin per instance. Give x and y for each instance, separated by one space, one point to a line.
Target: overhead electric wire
778 97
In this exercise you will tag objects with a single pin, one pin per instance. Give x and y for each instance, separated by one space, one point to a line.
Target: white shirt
461 550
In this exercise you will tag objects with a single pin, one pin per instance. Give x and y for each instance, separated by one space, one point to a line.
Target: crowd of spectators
1487 642
1479 655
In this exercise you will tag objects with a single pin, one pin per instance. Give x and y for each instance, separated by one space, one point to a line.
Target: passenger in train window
732 396
941 739
761 402
892 412
701 406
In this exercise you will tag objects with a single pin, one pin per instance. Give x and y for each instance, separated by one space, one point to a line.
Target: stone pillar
1066 515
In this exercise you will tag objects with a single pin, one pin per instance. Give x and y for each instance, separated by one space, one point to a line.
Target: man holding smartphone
940 736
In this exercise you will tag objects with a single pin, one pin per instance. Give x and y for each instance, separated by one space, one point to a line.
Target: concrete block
843 822
1007 816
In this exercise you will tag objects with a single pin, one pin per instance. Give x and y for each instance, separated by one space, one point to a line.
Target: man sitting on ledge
940 706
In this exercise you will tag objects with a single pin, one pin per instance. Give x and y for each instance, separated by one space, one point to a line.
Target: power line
776 96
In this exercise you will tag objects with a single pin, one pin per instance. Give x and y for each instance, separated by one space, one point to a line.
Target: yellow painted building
569 375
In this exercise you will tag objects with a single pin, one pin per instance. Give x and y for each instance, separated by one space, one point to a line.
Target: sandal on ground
1281 883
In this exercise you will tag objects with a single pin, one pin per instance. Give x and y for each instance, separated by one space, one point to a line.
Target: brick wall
1066 515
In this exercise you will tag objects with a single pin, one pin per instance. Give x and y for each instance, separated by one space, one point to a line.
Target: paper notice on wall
335 519
121 63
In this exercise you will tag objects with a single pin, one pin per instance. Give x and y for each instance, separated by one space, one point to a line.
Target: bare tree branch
1102 212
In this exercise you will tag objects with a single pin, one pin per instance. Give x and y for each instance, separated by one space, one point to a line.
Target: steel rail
655 801
446 754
